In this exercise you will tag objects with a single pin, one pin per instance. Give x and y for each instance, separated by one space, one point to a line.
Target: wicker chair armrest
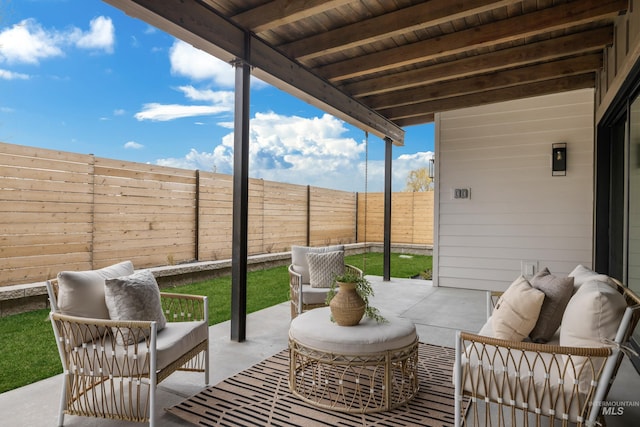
603 351
295 279
184 307
105 323
350 269
91 335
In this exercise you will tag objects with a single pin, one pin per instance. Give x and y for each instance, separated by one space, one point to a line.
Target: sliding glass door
633 197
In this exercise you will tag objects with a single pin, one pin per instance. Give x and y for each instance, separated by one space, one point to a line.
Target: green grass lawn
29 353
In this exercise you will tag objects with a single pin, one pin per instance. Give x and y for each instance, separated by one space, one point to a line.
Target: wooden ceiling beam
417 120
197 24
420 16
410 114
553 18
281 12
578 43
505 78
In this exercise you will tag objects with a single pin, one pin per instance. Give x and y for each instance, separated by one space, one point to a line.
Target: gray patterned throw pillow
134 297
323 267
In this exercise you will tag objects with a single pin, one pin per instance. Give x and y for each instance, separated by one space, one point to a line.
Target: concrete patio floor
437 313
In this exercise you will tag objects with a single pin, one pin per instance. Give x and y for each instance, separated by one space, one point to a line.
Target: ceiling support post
240 245
386 270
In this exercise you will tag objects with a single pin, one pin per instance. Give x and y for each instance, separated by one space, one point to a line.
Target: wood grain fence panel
285 216
256 217
423 222
411 217
45 213
332 216
216 210
158 196
65 211
371 208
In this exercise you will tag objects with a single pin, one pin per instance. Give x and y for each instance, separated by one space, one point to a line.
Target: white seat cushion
312 295
173 341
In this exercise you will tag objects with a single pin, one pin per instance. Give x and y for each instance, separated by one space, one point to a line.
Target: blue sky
81 76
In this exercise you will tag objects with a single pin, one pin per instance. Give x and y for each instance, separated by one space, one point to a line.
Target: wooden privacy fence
65 211
411 217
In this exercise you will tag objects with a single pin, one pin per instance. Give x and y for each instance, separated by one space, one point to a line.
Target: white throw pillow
324 267
591 318
592 315
517 310
582 274
134 297
299 258
81 293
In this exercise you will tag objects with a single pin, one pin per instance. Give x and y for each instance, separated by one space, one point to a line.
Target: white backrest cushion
517 310
299 258
81 293
592 315
591 318
582 274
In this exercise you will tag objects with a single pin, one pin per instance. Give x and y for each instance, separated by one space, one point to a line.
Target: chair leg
206 365
457 379
63 398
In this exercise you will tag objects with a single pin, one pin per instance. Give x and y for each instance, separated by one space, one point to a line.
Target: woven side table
365 368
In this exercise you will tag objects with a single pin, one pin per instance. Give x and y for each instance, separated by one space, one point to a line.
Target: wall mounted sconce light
431 168
559 159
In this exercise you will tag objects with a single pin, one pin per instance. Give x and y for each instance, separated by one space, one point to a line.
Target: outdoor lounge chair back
303 296
522 383
111 368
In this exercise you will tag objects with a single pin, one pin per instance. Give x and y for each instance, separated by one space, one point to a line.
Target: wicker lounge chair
304 296
523 383
111 368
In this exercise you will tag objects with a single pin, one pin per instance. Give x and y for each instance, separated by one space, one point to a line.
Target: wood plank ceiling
408 59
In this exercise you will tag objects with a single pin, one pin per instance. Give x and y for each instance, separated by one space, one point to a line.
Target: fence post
197 219
357 212
93 210
308 215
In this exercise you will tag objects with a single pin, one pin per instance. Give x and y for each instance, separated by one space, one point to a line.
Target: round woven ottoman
365 368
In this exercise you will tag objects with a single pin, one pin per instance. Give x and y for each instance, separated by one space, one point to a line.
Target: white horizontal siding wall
517 211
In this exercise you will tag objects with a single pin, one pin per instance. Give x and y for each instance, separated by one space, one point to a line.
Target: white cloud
221 102
132 145
305 151
101 35
216 97
10 75
193 160
195 64
119 112
291 149
165 112
27 42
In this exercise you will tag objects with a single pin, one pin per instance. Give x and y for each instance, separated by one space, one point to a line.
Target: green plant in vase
351 303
